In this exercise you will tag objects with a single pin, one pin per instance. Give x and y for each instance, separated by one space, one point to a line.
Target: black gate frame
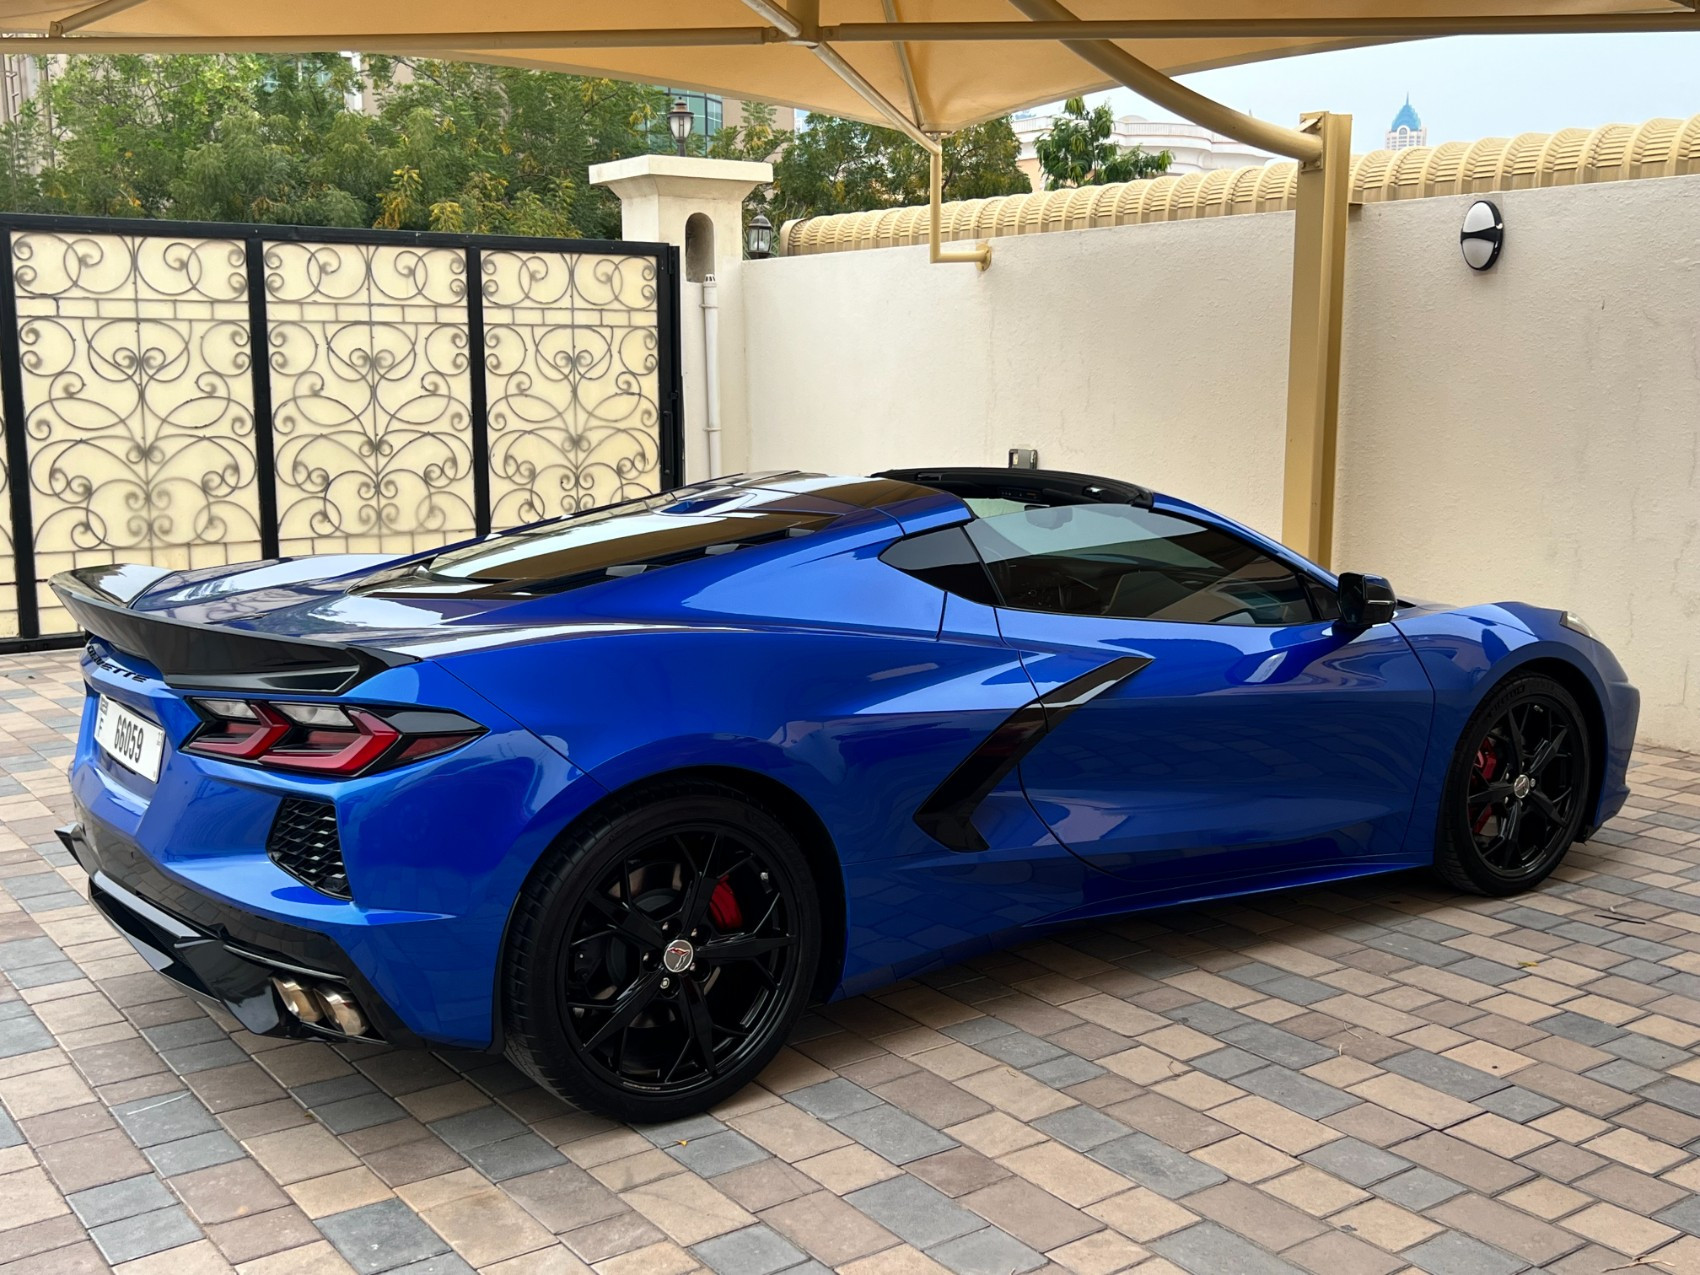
669 369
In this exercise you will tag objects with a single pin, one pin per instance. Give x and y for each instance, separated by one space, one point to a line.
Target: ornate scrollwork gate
411 390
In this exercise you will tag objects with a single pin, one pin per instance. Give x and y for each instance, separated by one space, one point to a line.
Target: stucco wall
1530 433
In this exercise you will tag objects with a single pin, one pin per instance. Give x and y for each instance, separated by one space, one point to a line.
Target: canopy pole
1124 68
94 13
980 254
1313 342
797 24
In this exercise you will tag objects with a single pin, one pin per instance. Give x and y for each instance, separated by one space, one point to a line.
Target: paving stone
894 1134
1296 1092
1061 1073
1278 1046
477 1128
1517 1104
717 1153
118 1200
512 1157
1684 1216
1444 1074
1019 1049
1211 1249
1150 1163
1356 1162
987 1251
832 1099
755 1250
1417 1189
145 1233
1455 1254
1081 1127
381 1237
1580 1028
914 1211
23 1035
359 1113
199 1152
1226 1064
164 1118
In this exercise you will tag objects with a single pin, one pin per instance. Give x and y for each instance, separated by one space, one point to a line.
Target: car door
1246 735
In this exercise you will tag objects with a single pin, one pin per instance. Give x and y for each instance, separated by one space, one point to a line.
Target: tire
633 991
1516 789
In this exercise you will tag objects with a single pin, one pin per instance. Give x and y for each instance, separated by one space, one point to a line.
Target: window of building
708 113
1135 564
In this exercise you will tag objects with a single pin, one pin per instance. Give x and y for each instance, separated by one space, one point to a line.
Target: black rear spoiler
204 657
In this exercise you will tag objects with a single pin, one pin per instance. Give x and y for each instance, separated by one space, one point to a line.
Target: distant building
1195 149
1407 129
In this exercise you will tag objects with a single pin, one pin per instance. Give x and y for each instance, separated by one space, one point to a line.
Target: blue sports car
619 793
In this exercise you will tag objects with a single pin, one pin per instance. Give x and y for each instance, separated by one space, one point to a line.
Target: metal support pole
1313 344
980 254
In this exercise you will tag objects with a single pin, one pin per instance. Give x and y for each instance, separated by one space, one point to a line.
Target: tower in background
1407 129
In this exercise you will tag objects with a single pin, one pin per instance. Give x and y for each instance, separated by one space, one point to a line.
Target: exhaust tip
342 1010
298 1000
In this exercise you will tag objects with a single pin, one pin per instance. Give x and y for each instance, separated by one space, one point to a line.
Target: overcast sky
1467 88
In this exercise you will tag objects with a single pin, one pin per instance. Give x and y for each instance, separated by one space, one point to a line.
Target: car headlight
1577 624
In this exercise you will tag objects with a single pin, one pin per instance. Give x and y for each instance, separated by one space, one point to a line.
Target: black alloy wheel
661 956
1518 788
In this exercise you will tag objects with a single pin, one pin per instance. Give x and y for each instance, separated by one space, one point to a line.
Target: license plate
129 739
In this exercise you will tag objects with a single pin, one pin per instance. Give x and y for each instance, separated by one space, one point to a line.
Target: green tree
260 139
450 146
1077 150
836 165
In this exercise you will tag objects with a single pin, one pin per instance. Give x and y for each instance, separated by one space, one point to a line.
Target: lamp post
760 237
679 124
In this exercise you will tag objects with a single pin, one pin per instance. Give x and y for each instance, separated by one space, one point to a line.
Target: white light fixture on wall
1483 235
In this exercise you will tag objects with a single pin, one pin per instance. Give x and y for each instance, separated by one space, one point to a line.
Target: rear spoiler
204 657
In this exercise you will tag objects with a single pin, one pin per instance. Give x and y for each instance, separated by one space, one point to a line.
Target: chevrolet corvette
619 793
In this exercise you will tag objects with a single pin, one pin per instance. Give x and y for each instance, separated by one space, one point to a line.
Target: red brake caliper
1487 765
723 907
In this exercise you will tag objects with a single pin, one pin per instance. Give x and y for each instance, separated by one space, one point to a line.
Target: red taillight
245 733
324 739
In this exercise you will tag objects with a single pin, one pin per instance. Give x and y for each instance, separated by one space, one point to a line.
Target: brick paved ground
1387 1078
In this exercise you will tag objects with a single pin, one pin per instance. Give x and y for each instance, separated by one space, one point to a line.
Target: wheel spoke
741 947
1547 751
1492 795
1511 824
1546 806
628 920
1519 752
626 1006
700 1025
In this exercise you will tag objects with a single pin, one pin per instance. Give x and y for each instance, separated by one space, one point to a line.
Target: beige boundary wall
1529 433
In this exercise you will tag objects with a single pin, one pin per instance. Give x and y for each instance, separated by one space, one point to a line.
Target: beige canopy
958 61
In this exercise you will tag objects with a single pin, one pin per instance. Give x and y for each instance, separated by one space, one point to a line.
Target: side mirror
1366 600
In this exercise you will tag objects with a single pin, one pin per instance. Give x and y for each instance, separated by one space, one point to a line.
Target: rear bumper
222 955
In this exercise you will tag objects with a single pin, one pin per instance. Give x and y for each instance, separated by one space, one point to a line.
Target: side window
1117 560
945 560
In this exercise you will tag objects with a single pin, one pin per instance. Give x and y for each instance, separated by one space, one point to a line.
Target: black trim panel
1039 486
215 951
947 815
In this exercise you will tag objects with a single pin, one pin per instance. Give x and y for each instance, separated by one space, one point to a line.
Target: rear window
617 540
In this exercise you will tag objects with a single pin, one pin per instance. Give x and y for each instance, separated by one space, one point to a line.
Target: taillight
324 739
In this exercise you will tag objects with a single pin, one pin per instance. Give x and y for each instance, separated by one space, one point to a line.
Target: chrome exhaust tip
342 1010
298 1000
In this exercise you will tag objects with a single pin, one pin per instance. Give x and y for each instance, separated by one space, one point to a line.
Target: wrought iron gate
197 394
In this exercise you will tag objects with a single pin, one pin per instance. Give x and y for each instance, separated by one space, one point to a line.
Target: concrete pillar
660 195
